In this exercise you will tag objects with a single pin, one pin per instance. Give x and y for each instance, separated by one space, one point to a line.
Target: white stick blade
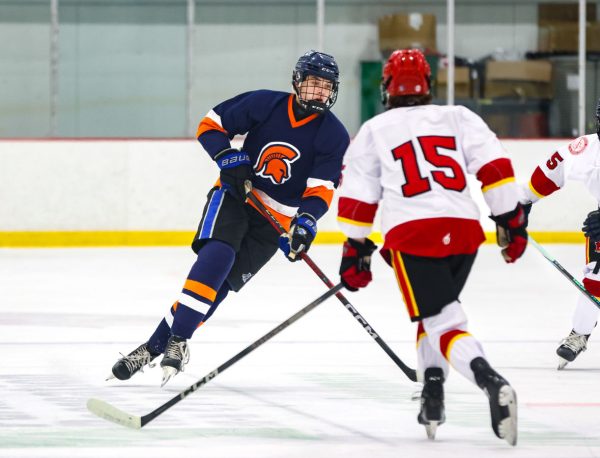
111 413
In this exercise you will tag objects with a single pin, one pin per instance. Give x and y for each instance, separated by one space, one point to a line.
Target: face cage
315 106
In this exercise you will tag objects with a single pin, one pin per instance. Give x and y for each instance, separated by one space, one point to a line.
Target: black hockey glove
511 232
591 225
235 170
298 240
355 269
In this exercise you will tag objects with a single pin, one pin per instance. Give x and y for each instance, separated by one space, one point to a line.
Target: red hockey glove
511 232
355 270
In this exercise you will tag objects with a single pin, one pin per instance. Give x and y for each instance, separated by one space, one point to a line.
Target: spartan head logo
274 161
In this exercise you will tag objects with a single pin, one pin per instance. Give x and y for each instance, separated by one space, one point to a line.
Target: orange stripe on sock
200 289
174 306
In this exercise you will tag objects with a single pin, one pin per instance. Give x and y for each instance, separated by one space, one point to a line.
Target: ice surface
322 388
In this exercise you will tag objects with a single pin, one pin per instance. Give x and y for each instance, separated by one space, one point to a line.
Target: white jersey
579 161
414 160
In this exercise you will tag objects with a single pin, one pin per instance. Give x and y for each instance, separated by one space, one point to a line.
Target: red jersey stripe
436 237
355 210
495 171
541 184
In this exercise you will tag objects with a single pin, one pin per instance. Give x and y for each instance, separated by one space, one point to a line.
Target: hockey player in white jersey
411 163
576 161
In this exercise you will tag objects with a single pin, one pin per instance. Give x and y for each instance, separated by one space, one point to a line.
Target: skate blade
110 377
507 427
562 363
431 429
168 374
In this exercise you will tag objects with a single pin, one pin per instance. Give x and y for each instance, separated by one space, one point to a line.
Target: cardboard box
564 37
552 13
462 83
519 79
412 30
521 70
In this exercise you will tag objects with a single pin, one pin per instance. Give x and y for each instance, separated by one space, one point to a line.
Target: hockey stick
410 373
108 412
564 271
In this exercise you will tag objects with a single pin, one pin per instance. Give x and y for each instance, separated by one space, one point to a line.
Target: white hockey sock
461 351
447 333
585 316
428 356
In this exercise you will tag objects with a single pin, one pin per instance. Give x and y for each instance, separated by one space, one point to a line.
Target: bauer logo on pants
275 161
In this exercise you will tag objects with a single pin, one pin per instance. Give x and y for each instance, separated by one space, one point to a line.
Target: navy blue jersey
297 163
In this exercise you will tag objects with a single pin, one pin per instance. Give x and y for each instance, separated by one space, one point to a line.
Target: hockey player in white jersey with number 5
578 161
412 162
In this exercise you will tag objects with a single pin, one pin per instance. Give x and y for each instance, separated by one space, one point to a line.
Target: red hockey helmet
406 72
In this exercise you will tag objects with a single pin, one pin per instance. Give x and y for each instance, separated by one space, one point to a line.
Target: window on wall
124 68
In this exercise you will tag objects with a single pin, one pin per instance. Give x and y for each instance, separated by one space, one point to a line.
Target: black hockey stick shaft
231 361
410 373
564 271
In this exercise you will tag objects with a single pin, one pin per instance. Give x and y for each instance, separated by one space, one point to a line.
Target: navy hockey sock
158 340
199 293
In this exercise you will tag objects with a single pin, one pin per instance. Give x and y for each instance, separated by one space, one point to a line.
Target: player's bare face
315 88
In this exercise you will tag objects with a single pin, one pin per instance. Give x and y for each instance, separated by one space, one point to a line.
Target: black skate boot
502 397
177 355
432 412
133 362
570 347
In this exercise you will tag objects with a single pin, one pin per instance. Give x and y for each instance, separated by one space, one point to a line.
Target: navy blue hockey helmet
320 65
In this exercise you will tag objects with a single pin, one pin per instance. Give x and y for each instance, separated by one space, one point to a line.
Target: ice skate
502 398
570 347
135 361
177 355
432 412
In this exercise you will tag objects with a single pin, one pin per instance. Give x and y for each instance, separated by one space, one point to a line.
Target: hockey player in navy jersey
292 154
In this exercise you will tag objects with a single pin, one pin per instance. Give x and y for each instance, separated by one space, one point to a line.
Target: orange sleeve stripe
200 289
208 124
320 191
